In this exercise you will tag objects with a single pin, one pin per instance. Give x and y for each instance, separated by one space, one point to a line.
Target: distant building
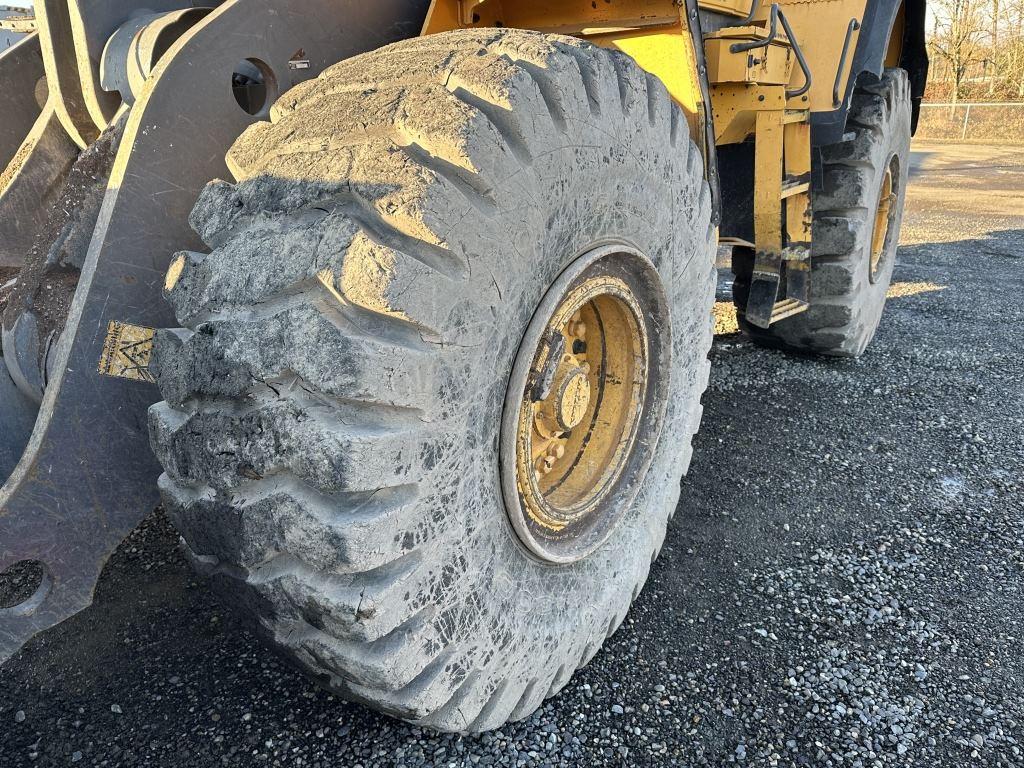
7 37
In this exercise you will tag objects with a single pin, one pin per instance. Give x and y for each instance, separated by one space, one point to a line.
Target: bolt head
544 465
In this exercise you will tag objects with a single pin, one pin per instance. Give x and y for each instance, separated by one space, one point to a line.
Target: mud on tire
333 403
847 295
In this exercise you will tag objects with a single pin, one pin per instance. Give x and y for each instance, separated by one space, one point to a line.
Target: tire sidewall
514 583
895 143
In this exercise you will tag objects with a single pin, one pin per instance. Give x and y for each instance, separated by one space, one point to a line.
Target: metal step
788 308
793 187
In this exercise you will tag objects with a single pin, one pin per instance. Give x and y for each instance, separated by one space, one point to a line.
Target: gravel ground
841 584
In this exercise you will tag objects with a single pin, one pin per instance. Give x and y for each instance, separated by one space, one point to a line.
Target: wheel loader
402 309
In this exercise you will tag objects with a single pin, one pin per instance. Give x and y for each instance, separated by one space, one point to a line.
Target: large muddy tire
857 217
334 404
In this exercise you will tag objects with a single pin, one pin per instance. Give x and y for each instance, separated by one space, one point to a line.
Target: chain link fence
991 122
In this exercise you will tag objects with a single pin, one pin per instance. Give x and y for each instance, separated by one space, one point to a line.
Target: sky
28 4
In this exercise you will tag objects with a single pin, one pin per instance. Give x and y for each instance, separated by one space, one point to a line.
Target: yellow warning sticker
127 351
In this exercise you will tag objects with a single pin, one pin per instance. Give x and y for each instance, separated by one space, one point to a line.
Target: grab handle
792 94
762 42
850 29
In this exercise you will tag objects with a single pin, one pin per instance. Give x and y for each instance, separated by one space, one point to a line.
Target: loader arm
86 475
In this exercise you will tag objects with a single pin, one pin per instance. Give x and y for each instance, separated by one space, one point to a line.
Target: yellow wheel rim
578 410
884 215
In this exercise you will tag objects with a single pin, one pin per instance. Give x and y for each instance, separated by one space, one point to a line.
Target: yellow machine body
766 69
654 33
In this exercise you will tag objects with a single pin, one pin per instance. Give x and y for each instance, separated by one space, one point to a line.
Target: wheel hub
573 398
577 403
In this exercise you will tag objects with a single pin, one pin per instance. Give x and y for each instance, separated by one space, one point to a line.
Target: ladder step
795 184
794 188
788 308
796 116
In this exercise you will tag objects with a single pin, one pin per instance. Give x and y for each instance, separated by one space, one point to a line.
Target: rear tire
850 271
333 407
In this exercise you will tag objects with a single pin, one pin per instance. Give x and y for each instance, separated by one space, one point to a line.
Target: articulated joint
133 51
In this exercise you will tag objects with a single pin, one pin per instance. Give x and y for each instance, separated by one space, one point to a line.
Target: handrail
852 27
763 42
750 16
792 94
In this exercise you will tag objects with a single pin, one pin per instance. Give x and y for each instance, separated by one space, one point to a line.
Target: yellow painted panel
653 32
733 7
768 182
895 49
667 55
735 107
565 16
772 64
820 28
443 16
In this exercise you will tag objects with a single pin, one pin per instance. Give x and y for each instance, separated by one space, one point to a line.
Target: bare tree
959 30
1013 45
994 78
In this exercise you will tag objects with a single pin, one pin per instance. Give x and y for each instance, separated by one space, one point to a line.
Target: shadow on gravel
841 583
918 158
1006 243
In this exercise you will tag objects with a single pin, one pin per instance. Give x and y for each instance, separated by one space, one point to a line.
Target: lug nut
544 465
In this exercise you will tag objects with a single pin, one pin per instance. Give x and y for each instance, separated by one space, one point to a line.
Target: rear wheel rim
885 214
587 384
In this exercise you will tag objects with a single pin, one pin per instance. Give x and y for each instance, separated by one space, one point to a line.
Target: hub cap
577 404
